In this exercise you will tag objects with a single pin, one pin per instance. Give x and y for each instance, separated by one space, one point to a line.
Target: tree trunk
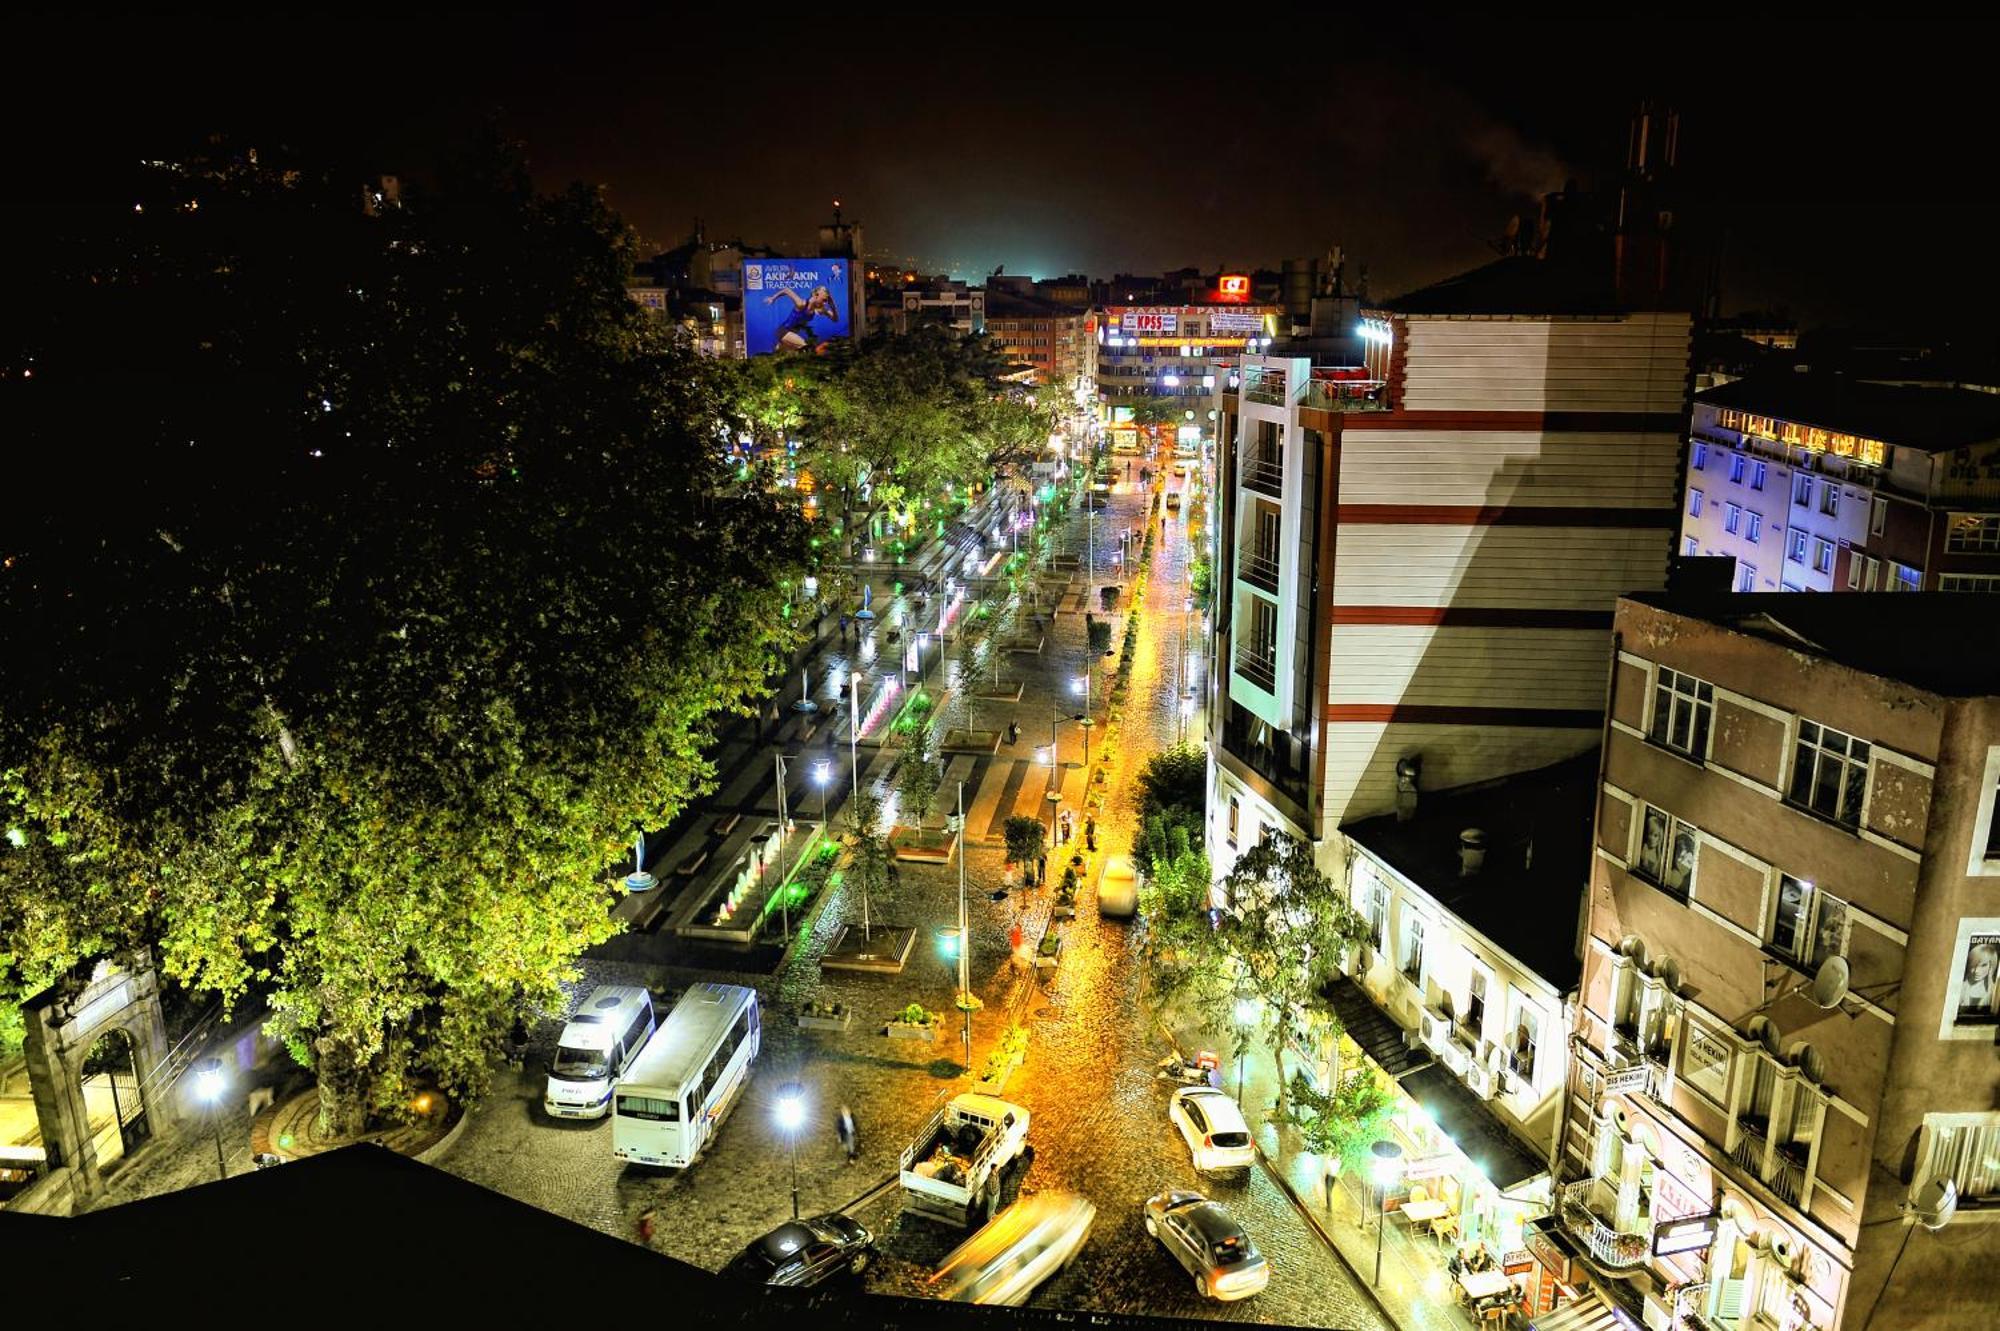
1281 1029
343 1091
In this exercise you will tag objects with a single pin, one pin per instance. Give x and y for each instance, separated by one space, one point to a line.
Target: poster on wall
794 304
1705 1062
1972 998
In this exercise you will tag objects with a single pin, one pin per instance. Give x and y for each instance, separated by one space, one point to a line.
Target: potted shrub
914 1022
1065 902
1049 953
831 1016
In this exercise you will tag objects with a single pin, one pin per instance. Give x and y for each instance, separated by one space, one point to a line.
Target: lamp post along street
964 936
1388 1163
784 904
792 1116
208 1085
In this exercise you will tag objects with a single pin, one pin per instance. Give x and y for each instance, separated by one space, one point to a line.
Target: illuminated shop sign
1871 451
1235 321
1232 286
1689 1235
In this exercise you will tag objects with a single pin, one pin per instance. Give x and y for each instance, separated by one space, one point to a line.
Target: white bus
673 1098
596 1046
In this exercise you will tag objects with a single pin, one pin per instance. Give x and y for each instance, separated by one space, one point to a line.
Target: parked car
1213 1127
1207 1240
802 1253
1117 888
1005 1262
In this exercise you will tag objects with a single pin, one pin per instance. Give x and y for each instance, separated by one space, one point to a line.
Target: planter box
1044 958
897 1030
815 1022
1064 910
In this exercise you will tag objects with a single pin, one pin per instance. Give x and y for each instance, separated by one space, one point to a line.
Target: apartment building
1059 344
1822 483
1420 539
1173 349
1783 1074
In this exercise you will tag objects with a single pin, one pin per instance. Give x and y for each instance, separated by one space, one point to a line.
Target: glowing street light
208 1085
822 770
792 1117
1386 1169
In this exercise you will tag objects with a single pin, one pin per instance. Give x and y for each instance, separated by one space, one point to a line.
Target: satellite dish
1829 986
1935 1202
1669 972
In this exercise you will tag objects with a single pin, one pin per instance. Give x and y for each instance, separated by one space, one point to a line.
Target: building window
1969 582
1475 1004
1757 473
1374 905
1964 1148
1808 925
1736 465
1682 709
1802 492
1527 1034
1829 773
1854 571
1795 548
1977 532
1903 578
1746 577
1700 456
1694 545
1732 518
1873 576
1694 503
1878 515
1829 500
1413 947
1235 817
1822 556
1755 529
1666 852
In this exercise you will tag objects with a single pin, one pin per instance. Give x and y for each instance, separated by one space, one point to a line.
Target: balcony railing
1258 569
1610 1248
1332 391
1265 472
1265 386
1749 1152
1258 669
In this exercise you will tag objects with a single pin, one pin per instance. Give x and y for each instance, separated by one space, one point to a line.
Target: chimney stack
1471 852
1408 768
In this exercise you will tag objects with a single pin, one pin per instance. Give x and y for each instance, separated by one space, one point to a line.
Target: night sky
1850 166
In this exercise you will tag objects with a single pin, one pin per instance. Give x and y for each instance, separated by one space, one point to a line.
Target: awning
1480 1136
1379 1035
1588 1313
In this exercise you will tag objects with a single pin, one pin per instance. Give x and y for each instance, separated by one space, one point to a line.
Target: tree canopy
423 585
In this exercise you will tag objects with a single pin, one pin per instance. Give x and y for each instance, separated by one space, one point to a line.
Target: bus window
649 1107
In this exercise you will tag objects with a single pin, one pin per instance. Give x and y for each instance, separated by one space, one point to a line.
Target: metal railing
1345 394
1608 1246
1265 472
1266 386
1257 569
1259 670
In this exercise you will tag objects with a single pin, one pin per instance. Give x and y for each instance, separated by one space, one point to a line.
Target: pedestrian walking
1017 948
1090 833
843 626
517 1043
1013 731
843 1127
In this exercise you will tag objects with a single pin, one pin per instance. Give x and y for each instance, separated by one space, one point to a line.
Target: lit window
1700 460
1802 489
1736 466
1878 515
1694 545
1974 532
1746 577
1694 503
1682 708
1822 556
1755 529
1527 1034
1969 582
1795 549
1829 500
1475 1004
1666 852
1757 471
1374 905
1829 773
1732 518
1964 1148
1903 578
1235 816
1413 947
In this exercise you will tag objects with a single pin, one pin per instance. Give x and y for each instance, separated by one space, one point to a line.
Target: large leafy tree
436 585
1188 970
1286 926
1173 791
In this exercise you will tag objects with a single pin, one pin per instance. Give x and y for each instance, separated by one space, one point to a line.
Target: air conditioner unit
1509 1081
1413 1040
1479 1078
1436 1030
1452 1054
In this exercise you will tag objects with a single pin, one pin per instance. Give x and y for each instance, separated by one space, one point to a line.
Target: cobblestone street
1100 1125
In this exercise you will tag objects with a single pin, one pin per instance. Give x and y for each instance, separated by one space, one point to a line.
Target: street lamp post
822 770
791 1117
964 935
208 1085
1388 1164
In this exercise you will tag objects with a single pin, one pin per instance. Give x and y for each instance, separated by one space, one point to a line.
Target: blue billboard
795 304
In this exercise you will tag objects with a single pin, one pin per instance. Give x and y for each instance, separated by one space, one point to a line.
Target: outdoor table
1482 1285
1423 1212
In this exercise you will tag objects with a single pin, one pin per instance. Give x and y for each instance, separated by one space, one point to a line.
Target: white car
1213 1127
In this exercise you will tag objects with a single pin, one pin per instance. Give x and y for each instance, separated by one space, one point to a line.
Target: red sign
1232 286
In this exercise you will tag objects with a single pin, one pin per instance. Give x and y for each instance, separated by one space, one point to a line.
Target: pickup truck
952 1171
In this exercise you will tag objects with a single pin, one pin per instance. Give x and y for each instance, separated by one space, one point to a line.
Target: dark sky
1849 165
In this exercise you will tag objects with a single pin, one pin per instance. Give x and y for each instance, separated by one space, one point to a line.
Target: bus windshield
579 1064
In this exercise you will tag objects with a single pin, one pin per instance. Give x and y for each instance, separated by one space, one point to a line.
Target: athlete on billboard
795 333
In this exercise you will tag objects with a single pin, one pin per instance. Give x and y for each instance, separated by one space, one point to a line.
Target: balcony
1266 386
1749 1152
1264 472
1609 1248
1334 388
1258 568
1259 668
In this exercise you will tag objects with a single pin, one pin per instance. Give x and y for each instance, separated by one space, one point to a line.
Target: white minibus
597 1044
672 1100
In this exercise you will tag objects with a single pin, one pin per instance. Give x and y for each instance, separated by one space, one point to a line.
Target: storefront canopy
1378 1034
1588 1313
1472 1127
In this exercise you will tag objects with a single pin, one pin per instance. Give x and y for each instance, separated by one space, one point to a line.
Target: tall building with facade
1419 541
1060 344
1824 483
1171 347
1785 1039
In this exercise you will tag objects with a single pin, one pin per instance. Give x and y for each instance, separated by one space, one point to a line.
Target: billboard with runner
795 304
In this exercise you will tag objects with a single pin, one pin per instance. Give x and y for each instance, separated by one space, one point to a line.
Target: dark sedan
1205 1238
802 1253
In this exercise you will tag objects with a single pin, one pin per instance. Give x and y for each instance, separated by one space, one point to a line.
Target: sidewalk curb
1305 1211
